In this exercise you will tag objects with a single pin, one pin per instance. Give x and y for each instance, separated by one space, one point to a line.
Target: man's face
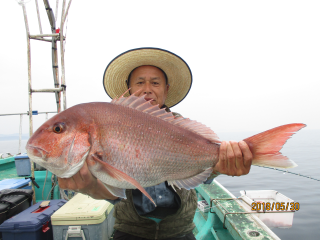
152 82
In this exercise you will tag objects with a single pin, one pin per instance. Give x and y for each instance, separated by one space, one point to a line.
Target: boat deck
8 168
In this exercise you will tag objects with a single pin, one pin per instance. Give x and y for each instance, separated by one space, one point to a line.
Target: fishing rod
286 171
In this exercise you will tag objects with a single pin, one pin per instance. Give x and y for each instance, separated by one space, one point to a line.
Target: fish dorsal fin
140 104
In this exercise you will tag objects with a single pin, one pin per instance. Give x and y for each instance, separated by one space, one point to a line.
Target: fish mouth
37 152
57 166
40 156
149 99
62 171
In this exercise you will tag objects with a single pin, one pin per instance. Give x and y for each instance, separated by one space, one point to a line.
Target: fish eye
59 127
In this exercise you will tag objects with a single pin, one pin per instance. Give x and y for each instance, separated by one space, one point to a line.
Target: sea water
12 146
304 149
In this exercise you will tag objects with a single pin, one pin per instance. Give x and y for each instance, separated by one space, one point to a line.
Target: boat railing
20 126
226 218
5 155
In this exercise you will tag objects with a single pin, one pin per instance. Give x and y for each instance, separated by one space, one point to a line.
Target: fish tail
265 146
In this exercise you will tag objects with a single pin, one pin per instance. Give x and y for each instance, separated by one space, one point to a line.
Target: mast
53 37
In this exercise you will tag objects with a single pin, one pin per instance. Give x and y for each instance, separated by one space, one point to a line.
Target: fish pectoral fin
118 192
121 176
190 183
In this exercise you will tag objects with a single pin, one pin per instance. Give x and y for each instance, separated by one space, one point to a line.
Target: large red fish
130 143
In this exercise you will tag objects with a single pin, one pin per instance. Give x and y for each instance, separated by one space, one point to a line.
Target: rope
55 183
44 184
286 171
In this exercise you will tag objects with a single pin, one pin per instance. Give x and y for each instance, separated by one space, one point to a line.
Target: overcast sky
255 64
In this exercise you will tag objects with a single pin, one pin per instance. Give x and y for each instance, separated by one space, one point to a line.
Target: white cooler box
83 218
280 219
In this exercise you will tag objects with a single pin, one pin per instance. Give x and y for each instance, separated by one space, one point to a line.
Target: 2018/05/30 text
278 206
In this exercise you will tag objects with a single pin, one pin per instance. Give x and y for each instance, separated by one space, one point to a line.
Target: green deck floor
8 168
9 173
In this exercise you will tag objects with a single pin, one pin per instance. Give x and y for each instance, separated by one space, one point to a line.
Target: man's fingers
247 155
231 160
84 182
62 183
234 158
238 157
67 183
83 174
79 181
223 164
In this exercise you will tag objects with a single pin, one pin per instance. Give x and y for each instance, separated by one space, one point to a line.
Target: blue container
15 183
33 223
23 165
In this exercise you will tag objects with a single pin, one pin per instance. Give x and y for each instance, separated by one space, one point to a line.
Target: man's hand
235 158
84 182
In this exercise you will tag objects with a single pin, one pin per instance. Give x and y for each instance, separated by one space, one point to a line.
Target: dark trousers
125 236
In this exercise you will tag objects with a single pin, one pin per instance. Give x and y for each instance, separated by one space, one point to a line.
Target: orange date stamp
277 206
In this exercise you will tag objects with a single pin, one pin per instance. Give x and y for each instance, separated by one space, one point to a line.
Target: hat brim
177 70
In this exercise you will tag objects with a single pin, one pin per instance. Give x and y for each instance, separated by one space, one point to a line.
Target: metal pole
47 90
29 70
20 134
39 21
9 114
55 68
63 81
41 39
45 35
30 92
56 15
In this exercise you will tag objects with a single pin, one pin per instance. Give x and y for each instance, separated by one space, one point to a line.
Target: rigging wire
286 171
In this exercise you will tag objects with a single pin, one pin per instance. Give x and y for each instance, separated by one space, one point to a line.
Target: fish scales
156 149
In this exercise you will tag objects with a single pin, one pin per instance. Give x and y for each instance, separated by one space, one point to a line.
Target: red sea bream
130 143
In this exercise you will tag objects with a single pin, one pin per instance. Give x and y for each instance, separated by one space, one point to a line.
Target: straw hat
177 70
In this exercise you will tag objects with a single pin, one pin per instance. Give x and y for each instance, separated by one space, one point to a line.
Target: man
165 79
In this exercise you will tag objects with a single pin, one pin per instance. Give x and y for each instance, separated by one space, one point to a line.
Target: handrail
239 228
9 114
20 128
